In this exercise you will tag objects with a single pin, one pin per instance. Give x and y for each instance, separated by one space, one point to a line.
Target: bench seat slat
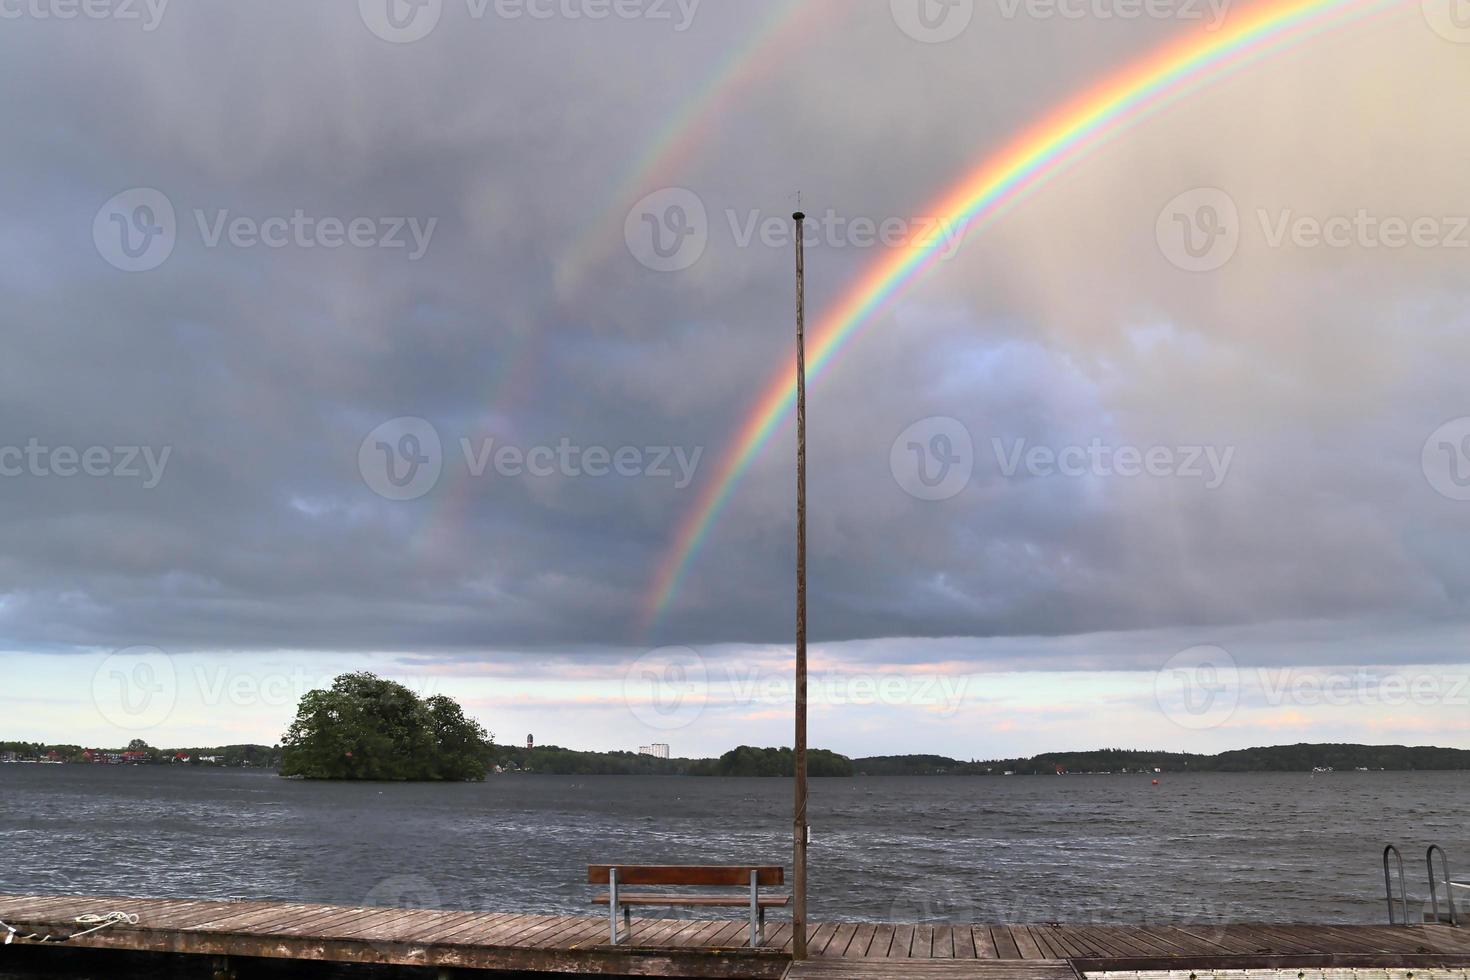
695 901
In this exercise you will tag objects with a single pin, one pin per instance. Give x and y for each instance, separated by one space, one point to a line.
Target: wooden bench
743 876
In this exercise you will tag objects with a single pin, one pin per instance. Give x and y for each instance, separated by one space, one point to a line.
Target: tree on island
368 728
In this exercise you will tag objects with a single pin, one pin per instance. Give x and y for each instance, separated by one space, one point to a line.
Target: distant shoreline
747 761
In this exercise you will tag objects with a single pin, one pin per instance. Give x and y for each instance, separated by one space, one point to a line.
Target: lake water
1079 848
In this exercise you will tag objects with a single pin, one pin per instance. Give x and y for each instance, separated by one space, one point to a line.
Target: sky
406 337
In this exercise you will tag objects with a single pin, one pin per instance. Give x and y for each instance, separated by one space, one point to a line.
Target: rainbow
679 138
1060 138
687 128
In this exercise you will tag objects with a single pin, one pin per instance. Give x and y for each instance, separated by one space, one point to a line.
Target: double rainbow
1060 138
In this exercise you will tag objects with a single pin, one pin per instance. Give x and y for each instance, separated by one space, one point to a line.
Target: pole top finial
799 216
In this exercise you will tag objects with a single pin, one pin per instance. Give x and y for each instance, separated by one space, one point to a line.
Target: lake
1299 847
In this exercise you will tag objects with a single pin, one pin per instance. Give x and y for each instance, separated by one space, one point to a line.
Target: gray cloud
1062 323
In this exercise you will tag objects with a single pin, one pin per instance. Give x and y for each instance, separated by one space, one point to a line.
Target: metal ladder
1403 898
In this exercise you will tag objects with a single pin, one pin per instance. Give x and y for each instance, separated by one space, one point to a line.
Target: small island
368 728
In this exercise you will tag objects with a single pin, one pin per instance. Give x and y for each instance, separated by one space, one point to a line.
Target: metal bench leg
762 929
754 908
628 920
612 905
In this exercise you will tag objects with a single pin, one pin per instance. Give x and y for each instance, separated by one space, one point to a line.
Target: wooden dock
714 947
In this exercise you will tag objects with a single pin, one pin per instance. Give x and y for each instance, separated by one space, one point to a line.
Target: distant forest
1303 757
774 762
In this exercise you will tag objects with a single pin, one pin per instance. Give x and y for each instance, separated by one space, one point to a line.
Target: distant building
530 742
659 750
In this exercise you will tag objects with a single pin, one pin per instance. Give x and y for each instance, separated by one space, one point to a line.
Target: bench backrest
687 874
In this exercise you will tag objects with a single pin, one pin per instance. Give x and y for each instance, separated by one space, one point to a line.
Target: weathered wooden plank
820 937
1026 944
842 939
1005 944
862 938
881 941
903 943
984 943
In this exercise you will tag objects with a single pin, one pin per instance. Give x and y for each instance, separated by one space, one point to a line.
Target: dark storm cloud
262 370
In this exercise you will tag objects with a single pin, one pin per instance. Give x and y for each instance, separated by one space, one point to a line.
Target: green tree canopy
365 727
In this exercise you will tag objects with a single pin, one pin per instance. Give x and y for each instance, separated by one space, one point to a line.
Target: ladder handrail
1448 883
1388 885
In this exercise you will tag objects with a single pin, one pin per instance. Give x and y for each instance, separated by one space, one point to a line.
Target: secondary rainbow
1043 149
690 126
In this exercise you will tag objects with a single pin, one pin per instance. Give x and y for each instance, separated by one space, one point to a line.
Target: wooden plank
698 932
923 946
838 969
1005 945
943 942
817 944
842 939
984 943
881 941
687 874
469 929
731 934
903 942
665 932
862 938
1026 944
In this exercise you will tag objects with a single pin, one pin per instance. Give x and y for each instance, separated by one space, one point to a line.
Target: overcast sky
335 335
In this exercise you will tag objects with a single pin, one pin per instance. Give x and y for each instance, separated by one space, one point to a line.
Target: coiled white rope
97 922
